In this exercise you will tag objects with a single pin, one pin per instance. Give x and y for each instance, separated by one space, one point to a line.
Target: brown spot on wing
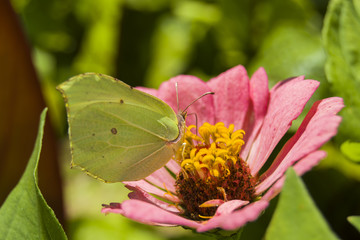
114 131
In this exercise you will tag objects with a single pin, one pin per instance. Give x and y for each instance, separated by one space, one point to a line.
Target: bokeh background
146 42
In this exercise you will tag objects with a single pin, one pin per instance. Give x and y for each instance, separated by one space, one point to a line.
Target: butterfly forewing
118 134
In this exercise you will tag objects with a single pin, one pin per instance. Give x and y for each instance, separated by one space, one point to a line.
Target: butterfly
118 133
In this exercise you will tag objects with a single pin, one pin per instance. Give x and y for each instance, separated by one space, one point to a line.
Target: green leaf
25 214
296 215
341 34
351 150
355 221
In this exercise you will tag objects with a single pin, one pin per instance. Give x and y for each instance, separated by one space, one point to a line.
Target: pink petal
228 207
231 96
162 179
150 91
173 166
189 88
140 194
310 161
287 100
236 219
319 125
142 184
300 168
259 95
150 214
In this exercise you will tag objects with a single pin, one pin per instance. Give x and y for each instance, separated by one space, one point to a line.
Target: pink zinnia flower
218 182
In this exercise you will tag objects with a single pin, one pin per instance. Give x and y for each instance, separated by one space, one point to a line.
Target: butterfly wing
117 133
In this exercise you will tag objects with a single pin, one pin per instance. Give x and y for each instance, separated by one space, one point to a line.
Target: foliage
351 150
342 42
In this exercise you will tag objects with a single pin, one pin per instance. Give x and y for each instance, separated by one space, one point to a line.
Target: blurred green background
146 42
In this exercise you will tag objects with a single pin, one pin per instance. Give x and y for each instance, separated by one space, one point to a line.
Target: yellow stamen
205 217
168 192
209 154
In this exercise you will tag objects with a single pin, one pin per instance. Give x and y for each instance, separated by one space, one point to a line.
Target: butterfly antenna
207 93
196 121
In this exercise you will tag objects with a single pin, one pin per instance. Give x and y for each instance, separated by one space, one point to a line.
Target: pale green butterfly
118 133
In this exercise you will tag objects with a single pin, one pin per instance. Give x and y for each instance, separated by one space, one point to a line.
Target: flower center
212 170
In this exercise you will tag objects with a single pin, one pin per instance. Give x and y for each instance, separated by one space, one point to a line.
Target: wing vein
130 147
137 126
144 159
